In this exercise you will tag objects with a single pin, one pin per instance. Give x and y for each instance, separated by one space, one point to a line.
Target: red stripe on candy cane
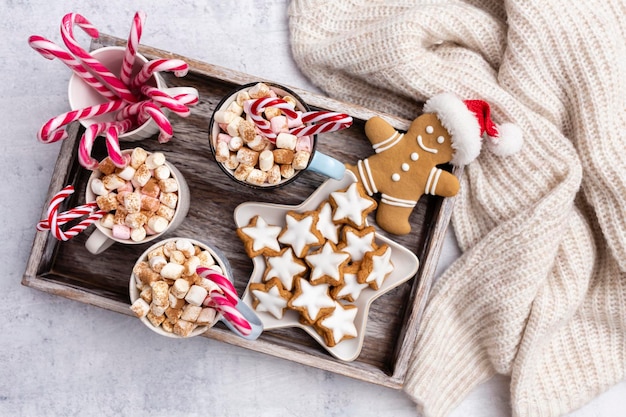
228 310
131 47
88 61
56 220
324 121
179 67
222 282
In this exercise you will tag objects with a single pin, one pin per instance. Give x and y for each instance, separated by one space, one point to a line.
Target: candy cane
222 282
179 67
50 50
256 113
151 110
55 221
91 63
228 310
187 99
51 130
131 47
325 121
163 99
88 138
67 216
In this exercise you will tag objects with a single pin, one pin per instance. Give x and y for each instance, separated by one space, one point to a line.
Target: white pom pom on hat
468 122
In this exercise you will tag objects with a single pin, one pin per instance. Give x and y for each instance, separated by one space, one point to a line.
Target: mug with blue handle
318 162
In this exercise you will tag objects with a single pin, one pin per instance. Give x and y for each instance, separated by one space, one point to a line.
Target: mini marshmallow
172 270
157 310
196 295
145 274
135 220
183 328
167 326
138 157
271 112
266 160
292 101
235 108
127 187
157 263
132 202
120 215
160 292
186 247
176 302
191 264
297 122
162 172
222 152
224 116
180 288
168 185
259 90
206 317
150 204
142 175
106 166
158 224
165 212
301 160
173 313
191 312
242 172
107 221
278 124
235 143
247 156
283 156
154 160
246 130
120 231
256 177
233 127
206 259
169 247
127 173
177 257
242 97
140 308
97 187
286 141
273 175
151 188
156 252
146 294
304 143
137 235
232 163
155 320
169 199
258 144
112 182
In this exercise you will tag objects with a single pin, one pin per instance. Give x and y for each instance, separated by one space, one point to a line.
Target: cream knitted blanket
540 290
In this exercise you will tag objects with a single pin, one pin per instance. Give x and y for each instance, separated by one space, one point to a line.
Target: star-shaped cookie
260 238
300 232
352 205
312 301
327 264
338 325
284 266
270 297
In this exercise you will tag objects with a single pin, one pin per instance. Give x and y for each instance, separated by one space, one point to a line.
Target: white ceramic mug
102 238
81 95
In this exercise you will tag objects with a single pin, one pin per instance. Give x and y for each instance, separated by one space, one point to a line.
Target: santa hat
468 122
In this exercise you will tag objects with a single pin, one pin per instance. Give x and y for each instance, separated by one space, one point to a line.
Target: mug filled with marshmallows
264 135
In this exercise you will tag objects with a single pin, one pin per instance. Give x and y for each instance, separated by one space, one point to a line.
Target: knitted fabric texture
539 292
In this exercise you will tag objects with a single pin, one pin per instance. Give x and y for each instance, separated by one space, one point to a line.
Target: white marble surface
60 357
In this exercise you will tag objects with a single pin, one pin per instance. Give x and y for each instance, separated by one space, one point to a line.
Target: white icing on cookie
350 205
298 234
263 235
340 322
395 177
326 263
350 287
429 129
405 167
424 147
415 156
381 267
270 302
284 268
312 298
325 224
356 245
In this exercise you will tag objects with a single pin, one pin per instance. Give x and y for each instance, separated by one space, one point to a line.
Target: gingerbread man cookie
406 165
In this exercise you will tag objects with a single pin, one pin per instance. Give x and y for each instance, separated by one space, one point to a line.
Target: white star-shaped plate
405 267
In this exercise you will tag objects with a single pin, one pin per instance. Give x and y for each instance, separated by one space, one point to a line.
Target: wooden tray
68 270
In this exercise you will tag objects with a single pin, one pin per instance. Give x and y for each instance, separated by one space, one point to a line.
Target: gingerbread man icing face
405 167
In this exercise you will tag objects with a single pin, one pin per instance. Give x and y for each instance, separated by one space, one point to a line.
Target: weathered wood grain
68 270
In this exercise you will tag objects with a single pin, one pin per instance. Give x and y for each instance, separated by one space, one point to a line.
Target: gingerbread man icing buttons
405 166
